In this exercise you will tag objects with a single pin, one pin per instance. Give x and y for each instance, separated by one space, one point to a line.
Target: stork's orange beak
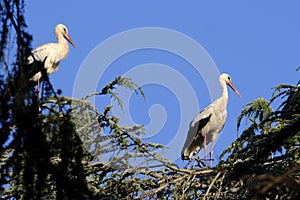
69 39
234 89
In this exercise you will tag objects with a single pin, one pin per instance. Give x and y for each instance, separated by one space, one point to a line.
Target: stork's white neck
63 45
61 39
224 96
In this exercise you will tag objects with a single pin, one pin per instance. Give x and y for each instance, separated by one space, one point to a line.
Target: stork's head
61 30
225 79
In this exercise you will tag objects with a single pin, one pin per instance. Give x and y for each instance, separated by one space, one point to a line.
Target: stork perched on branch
51 53
206 126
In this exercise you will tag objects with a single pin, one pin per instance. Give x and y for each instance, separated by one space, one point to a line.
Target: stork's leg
38 88
205 161
194 164
211 151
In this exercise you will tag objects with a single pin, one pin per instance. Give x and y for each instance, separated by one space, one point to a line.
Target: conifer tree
54 147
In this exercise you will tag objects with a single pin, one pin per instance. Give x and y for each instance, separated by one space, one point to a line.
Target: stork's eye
65 30
228 78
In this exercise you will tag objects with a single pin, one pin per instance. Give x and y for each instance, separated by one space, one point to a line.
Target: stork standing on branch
206 126
52 53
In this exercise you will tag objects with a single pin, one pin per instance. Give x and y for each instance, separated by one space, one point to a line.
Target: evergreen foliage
55 147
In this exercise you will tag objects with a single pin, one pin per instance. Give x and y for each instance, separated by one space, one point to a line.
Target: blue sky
256 42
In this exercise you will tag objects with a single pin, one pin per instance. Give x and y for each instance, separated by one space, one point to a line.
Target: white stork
52 53
206 126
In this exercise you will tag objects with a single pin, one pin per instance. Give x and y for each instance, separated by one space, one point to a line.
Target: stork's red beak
69 39
234 89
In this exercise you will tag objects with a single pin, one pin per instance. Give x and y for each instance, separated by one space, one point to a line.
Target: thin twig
212 183
91 94
162 187
220 187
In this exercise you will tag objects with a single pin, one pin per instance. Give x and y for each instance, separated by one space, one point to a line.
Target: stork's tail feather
34 69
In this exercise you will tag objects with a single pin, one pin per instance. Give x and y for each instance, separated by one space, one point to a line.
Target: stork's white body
206 126
208 122
52 53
